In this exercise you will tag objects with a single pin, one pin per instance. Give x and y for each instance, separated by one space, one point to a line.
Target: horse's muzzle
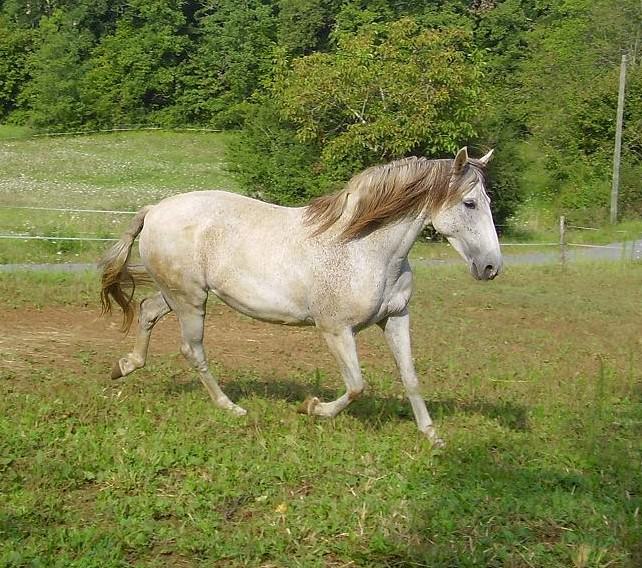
488 272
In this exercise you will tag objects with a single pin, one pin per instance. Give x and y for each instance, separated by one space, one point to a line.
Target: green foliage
577 132
15 45
352 82
233 53
28 14
131 75
505 183
631 171
53 95
270 164
387 91
352 16
301 25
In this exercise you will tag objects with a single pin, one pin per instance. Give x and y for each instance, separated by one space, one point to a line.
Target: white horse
340 264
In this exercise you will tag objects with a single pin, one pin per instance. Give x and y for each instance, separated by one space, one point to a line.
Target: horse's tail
115 272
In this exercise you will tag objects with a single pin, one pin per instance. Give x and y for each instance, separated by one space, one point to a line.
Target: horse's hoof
238 411
116 371
308 405
435 441
226 404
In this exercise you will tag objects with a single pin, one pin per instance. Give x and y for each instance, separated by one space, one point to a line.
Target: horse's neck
396 239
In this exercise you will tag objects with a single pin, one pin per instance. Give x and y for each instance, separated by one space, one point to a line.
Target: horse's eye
470 204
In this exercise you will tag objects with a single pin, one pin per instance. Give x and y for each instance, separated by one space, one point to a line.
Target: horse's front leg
343 347
396 330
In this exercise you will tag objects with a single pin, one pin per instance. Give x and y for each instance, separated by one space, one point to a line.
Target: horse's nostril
490 272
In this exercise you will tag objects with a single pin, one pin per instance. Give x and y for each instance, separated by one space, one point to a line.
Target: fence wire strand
121 212
44 238
63 209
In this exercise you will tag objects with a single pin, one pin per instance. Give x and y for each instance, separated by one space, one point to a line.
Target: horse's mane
388 192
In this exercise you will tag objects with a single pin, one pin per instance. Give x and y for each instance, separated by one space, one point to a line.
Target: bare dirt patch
64 337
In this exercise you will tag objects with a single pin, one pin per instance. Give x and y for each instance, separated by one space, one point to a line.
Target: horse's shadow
371 409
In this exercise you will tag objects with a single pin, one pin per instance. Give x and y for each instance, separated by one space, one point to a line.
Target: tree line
322 88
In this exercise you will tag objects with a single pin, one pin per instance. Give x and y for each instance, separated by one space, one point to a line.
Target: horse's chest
359 297
397 295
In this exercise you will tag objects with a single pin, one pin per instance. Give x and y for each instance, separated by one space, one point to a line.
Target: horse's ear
460 160
485 159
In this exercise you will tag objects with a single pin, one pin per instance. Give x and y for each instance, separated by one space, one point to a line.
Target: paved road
631 250
61 267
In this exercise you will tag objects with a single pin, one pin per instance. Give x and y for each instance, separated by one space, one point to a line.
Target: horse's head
467 222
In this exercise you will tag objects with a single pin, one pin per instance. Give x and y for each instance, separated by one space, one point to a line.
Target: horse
340 264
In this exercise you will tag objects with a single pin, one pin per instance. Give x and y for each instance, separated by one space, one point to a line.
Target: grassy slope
535 381
116 171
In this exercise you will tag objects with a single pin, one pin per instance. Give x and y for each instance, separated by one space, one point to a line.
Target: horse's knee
193 357
188 352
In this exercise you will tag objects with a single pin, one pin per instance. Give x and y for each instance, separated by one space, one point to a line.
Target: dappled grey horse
340 264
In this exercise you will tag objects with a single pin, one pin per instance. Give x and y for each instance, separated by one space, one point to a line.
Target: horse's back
203 215
215 205
209 228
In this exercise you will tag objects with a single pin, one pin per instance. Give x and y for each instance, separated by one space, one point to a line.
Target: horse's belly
264 301
267 312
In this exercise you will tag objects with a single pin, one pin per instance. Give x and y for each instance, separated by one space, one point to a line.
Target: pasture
117 171
534 381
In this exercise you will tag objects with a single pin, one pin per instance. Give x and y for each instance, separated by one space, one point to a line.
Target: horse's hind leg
191 317
152 309
343 346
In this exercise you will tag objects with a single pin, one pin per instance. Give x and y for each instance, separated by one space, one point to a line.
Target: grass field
535 382
115 171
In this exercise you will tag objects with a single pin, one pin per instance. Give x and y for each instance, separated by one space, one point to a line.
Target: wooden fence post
562 240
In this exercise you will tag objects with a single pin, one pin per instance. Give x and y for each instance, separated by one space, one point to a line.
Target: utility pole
615 188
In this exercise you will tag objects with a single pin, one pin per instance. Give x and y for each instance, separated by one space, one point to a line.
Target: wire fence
54 238
634 248
563 244
63 209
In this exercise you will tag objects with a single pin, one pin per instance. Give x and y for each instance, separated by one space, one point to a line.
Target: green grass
14 132
115 171
535 382
41 289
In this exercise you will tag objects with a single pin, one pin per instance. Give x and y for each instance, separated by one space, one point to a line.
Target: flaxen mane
389 192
